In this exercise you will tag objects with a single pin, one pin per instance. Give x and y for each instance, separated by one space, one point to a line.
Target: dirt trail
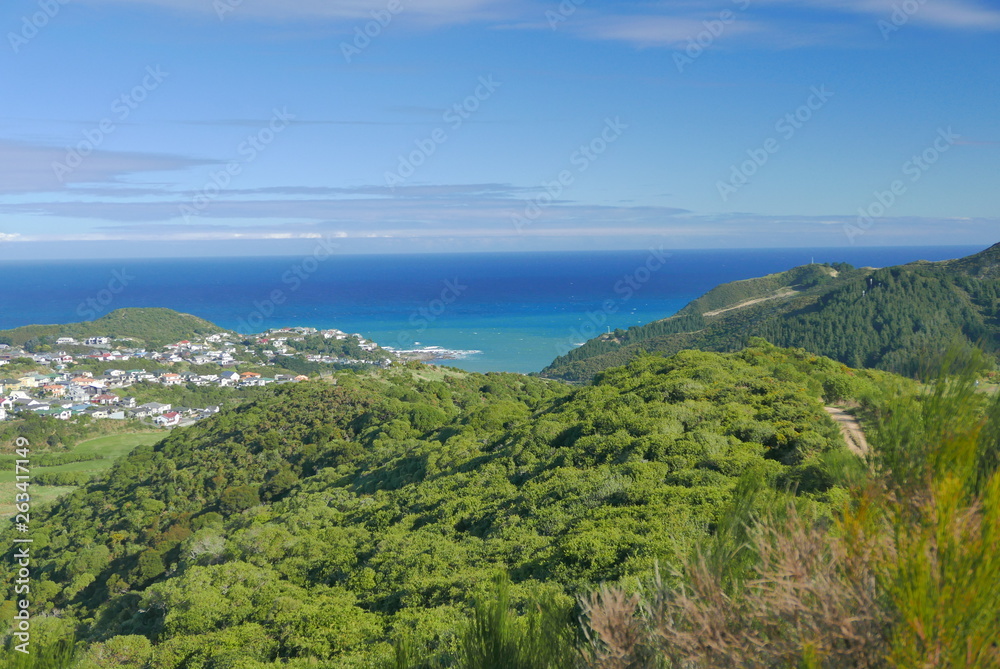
849 427
784 293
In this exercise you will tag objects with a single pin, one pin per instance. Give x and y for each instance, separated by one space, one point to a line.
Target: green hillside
898 318
323 525
151 327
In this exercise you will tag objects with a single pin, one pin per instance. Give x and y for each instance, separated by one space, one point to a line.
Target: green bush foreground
695 511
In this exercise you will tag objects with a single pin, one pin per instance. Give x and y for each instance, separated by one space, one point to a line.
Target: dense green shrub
325 522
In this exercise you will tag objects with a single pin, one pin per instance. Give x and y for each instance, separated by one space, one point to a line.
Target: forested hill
896 318
154 327
322 525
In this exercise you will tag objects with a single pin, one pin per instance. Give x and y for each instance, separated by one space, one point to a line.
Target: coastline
432 354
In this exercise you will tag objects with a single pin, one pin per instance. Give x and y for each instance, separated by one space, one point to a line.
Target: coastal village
61 388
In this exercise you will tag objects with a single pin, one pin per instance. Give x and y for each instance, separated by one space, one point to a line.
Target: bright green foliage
907 574
330 521
496 638
121 651
190 395
51 646
939 454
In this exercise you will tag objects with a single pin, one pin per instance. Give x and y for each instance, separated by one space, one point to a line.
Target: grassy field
111 448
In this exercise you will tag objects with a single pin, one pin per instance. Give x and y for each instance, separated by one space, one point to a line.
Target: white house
229 378
168 419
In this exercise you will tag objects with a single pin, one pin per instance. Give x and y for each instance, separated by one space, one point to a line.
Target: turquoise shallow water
519 310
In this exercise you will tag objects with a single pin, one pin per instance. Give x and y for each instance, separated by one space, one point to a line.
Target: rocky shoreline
432 354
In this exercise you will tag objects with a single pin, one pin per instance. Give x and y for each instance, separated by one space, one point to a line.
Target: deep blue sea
520 310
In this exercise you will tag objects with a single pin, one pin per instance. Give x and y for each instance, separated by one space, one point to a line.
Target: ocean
513 312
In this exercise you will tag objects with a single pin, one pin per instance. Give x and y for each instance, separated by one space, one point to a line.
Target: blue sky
227 127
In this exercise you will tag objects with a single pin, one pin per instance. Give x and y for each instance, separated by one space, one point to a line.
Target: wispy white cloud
484 214
647 30
150 204
767 23
162 234
33 168
957 14
434 12
778 24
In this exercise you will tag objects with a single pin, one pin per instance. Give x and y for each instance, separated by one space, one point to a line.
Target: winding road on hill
758 300
851 429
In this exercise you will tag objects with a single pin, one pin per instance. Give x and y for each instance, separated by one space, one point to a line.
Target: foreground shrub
907 576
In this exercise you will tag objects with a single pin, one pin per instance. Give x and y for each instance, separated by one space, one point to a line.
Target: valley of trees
348 523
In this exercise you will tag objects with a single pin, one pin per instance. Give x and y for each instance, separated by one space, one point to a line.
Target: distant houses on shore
64 393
